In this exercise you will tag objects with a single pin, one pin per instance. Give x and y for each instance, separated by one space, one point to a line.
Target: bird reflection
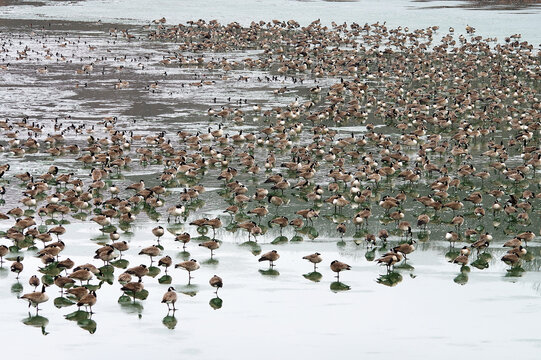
17 288
515 271
405 266
211 261
190 289
216 303
461 278
481 262
37 321
83 319
170 321
131 307
338 286
370 254
392 278
61 302
184 255
269 272
313 276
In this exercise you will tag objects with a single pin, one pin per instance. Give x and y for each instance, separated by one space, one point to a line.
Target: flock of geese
440 135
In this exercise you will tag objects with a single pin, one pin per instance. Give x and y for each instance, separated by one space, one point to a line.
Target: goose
338 266
190 266
314 258
270 256
35 298
216 282
170 298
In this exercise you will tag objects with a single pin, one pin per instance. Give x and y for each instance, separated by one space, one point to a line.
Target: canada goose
184 238
78 292
4 250
124 278
17 267
88 300
62 282
341 228
166 262
158 232
151 251
259 212
211 245
216 282
139 271
338 266
133 288
170 298
481 244
461 259
34 281
121 246
215 223
190 265
81 275
105 253
270 256
404 249
35 298
314 258
389 259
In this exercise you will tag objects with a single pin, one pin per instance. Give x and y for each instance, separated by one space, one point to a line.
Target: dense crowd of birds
445 135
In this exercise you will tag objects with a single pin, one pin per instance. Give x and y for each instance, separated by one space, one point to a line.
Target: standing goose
211 245
82 275
216 282
158 232
338 266
3 252
88 300
314 258
17 267
184 238
271 257
35 298
166 262
405 249
121 246
151 251
170 297
62 282
138 271
34 281
133 288
190 265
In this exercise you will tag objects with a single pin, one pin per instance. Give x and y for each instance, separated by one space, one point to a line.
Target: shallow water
432 310
490 19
